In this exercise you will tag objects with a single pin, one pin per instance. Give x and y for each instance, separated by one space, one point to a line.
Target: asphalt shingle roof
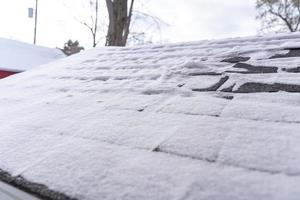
203 120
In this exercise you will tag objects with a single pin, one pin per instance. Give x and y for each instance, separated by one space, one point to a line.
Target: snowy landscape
215 119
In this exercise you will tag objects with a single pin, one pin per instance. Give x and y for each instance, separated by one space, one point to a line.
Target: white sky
189 19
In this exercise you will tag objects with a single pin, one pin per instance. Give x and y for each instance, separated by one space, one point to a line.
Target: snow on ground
203 120
19 56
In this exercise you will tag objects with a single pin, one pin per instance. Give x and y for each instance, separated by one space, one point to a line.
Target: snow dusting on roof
202 120
18 56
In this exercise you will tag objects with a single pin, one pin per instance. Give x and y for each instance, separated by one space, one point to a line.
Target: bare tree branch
279 14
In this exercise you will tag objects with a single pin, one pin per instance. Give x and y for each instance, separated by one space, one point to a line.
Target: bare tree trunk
95 25
127 25
119 22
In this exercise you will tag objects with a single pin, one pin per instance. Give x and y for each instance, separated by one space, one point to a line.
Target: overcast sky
189 20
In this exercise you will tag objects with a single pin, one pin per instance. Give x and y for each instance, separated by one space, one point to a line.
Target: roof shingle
179 121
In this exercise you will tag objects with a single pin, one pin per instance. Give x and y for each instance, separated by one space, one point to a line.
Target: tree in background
279 15
119 22
146 29
116 23
93 26
71 47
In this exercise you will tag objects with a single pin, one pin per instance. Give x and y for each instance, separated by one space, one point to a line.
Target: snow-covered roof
18 56
213 119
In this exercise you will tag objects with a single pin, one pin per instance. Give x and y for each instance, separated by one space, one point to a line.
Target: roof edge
36 189
11 70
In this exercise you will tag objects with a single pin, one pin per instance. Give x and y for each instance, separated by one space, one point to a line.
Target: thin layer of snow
18 56
186 105
152 122
279 107
93 170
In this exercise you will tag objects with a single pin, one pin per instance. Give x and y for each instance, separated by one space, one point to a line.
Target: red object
6 73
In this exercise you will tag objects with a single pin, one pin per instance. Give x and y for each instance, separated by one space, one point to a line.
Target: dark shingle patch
292 70
236 59
251 69
228 97
213 159
181 85
228 89
38 190
156 149
205 74
214 87
253 87
293 52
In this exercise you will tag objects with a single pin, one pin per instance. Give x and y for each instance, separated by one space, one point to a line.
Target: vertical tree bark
95 25
119 22
127 25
